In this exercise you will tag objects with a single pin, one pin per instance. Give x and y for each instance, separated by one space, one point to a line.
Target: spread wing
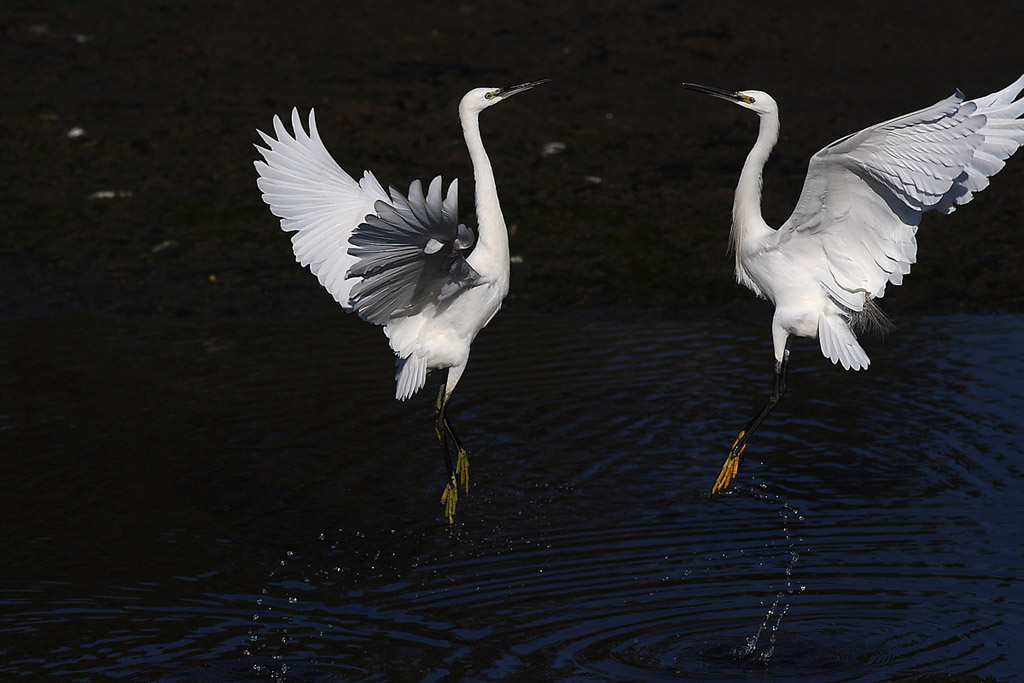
864 194
381 255
410 253
315 199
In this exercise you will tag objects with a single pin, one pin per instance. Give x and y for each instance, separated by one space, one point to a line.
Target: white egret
853 229
399 261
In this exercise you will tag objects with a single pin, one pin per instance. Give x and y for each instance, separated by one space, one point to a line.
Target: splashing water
775 611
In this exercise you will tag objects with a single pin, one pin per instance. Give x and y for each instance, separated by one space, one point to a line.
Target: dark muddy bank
633 215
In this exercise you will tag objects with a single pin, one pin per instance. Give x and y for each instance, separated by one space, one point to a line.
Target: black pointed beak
523 87
730 95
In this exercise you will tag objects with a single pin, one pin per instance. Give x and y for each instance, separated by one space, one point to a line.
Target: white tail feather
839 343
410 375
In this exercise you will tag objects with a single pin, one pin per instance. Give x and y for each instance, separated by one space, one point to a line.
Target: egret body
854 227
399 261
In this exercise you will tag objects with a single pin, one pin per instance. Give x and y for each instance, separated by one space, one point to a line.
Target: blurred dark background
165 97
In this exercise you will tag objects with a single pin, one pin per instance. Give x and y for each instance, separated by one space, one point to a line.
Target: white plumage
854 227
398 260
316 200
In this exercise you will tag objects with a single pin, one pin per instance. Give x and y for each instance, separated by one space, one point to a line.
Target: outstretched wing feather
315 199
864 194
380 254
409 254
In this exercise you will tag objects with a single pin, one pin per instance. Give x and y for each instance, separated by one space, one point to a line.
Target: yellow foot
730 468
462 469
449 499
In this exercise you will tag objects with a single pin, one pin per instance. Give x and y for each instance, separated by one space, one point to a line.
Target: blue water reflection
223 501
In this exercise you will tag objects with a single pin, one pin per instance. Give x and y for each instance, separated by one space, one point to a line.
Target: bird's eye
489 96
747 98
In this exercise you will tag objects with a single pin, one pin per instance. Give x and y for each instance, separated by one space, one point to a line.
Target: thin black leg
735 457
462 463
451 431
440 428
443 428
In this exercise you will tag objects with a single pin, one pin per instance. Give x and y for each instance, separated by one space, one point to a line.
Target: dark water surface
229 500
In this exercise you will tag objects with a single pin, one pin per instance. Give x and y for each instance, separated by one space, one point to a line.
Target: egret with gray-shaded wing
399 261
853 230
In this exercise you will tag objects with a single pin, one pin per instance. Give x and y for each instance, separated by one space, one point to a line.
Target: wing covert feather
410 254
864 194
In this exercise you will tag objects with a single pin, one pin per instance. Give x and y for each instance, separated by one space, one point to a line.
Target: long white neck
747 224
490 256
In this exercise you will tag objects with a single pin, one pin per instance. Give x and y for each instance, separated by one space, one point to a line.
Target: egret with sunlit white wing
854 227
399 261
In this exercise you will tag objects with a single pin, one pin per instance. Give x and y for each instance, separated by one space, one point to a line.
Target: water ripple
875 529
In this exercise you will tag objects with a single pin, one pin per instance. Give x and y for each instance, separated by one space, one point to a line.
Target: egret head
478 99
756 100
